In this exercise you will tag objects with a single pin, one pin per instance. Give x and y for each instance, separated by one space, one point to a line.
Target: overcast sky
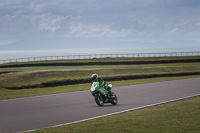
59 24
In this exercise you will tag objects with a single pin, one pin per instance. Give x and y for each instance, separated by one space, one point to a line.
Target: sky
70 24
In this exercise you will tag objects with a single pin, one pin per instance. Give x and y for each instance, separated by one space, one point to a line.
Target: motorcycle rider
95 78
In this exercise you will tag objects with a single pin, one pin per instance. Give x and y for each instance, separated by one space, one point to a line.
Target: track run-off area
31 113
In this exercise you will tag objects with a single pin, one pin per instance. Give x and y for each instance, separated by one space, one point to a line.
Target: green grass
176 117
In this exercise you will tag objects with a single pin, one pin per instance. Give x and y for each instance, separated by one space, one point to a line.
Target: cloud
36 7
198 24
131 20
175 30
50 23
78 29
7 42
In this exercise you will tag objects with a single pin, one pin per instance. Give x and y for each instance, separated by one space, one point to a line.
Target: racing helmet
94 77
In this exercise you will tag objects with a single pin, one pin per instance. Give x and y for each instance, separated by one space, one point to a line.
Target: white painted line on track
132 109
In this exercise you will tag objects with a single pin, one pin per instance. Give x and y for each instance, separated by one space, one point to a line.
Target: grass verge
18 79
35 68
32 78
8 94
179 117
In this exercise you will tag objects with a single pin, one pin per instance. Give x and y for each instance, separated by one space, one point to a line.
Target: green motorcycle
102 95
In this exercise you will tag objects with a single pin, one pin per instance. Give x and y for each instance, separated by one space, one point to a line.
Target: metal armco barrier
91 56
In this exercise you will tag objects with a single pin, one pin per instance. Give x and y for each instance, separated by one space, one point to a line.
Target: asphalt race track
37 112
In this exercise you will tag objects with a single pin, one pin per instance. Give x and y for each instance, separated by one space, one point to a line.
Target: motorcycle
102 95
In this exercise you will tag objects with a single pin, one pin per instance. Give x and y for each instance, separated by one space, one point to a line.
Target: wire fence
92 56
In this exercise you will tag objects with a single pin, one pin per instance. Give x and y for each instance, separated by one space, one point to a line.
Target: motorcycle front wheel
114 101
99 100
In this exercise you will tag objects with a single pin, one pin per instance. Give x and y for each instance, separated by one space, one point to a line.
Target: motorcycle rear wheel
99 100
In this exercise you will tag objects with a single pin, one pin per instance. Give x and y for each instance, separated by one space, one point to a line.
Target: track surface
24 114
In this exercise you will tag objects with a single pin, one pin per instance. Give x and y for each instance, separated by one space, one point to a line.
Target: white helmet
94 77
